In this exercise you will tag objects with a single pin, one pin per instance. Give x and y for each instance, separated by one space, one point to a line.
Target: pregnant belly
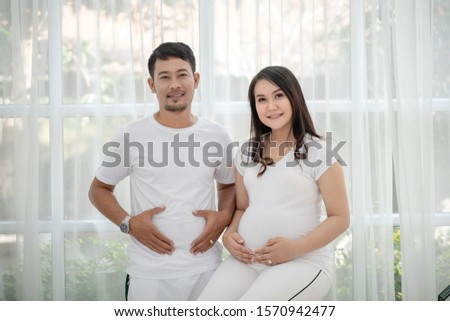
258 225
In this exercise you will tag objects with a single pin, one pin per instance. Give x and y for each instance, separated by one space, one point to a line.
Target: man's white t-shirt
174 168
285 201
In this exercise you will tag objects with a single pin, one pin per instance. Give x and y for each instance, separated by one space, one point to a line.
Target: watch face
124 227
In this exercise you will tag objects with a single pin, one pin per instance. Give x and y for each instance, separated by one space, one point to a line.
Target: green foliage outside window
100 273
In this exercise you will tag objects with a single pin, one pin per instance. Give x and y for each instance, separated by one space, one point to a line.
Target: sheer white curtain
74 72
413 146
375 75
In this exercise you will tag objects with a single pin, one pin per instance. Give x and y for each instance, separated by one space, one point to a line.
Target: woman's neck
281 137
275 147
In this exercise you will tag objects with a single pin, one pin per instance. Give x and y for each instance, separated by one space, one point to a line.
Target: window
73 74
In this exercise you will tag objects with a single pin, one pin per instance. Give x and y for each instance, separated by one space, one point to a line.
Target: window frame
56 112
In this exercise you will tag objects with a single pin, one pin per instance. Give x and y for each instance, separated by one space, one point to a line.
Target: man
173 159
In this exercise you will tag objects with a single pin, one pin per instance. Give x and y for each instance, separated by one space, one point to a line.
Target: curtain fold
28 60
413 142
366 68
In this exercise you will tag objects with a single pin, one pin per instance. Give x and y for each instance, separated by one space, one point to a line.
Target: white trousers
294 280
178 289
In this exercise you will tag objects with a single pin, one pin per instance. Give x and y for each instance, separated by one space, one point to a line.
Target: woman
280 248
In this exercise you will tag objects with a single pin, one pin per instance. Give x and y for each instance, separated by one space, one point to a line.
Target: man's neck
179 119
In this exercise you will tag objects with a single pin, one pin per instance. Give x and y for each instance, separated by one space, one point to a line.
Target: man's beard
175 108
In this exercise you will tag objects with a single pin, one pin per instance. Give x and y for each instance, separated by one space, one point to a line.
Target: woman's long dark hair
301 124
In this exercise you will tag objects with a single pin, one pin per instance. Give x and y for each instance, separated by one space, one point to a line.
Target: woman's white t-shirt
285 201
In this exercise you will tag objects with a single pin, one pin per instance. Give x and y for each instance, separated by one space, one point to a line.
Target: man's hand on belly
215 224
143 229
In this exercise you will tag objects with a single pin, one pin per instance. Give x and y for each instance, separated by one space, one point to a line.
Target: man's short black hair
171 49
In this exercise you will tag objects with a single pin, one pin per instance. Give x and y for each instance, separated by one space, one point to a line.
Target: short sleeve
318 160
113 169
224 174
243 159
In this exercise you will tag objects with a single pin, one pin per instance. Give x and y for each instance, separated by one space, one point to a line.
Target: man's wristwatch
125 225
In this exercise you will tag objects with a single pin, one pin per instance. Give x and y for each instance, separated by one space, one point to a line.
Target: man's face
174 84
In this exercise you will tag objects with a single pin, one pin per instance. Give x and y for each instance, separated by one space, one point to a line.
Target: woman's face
273 106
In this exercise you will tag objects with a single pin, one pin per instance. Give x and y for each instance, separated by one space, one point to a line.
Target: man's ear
151 84
196 79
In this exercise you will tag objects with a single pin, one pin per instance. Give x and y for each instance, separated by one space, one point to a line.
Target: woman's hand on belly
235 245
278 250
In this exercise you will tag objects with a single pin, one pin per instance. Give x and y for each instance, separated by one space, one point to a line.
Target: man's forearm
106 202
227 201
